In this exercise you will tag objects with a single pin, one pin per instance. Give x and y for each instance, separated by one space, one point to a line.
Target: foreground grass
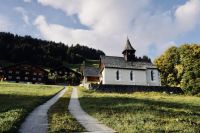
143 112
17 100
60 119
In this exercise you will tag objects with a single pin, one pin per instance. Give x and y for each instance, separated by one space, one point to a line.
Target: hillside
15 49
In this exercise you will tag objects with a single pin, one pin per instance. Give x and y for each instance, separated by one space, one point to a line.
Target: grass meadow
17 100
90 63
60 119
143 112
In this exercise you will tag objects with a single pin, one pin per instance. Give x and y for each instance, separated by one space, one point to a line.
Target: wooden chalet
66 75
1 74
62 71
25 73
90 75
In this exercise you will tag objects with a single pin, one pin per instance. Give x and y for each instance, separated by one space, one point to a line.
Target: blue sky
151 25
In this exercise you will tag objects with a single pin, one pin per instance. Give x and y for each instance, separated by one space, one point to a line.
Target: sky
152 26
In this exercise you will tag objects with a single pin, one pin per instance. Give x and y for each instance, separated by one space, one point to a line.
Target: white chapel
128 70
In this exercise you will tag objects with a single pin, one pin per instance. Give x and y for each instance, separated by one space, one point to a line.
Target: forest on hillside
16 49
180 66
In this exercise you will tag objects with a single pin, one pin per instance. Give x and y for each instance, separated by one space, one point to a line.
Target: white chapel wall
156 80
109 77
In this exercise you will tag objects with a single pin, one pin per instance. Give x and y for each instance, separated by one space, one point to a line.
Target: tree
14 48
181 67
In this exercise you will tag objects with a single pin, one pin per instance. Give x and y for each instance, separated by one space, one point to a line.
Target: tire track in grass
60 119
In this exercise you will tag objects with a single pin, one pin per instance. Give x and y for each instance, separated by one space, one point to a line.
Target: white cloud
188 15
27 1
111 21
23 12
60 33
5 23
68 6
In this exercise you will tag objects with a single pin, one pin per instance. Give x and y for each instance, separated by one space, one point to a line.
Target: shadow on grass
148 103
162 111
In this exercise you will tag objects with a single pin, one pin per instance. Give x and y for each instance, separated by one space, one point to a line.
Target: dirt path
91 124
37 120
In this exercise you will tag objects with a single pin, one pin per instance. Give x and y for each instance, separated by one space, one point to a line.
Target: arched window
152 75
117 75
131 75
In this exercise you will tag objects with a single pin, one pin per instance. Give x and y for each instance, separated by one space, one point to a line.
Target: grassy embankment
89 63
92 63
143 112
17 100
60 119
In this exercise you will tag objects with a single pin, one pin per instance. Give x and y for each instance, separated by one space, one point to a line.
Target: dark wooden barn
65 75
1 74
25 73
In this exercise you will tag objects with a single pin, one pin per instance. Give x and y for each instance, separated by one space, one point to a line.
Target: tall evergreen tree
17 49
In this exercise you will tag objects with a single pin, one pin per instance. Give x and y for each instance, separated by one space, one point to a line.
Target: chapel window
117 75
131 75
152 75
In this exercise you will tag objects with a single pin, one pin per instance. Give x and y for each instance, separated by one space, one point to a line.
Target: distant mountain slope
14 48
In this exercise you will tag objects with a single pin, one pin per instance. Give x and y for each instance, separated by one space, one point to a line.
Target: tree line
180 66
15 48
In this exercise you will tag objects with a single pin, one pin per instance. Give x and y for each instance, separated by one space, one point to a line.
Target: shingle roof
91 71
128 46
23 66
120 62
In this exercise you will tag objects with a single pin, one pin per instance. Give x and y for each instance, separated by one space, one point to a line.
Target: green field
17 100
88 63
92 63
60 119
144 112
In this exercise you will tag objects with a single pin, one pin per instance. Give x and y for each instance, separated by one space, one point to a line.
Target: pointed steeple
128 46
129 51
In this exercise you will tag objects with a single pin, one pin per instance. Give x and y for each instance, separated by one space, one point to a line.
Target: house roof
30 66
128 46
120 62
64 68
91 71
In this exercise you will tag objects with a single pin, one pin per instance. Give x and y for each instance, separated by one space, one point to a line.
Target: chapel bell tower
129 52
